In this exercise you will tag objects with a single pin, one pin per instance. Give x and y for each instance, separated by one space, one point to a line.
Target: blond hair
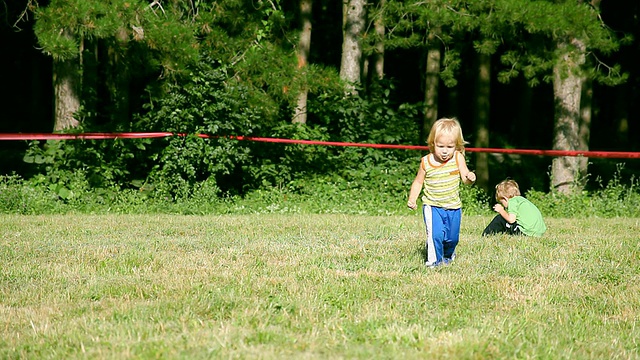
507 189
446 126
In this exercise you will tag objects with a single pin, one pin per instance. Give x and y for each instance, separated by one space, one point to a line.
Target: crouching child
516 215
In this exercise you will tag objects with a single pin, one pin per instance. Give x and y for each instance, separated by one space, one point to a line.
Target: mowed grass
313 287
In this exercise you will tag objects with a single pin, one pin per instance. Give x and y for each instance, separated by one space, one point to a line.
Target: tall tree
168 33
564 39
373 68
302 52
486 31
354 19
584 129
568 81
481 119
430 27
378 57
117 81
572 92
431 82
66 88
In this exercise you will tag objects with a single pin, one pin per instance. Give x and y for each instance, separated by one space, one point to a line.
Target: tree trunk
567 89
373 66
300 112
483 91
304 46
378 57
586 111
66 85
431 83
90 77
119 78
353 20
584 129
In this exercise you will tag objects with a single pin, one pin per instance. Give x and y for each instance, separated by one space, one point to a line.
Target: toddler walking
439 178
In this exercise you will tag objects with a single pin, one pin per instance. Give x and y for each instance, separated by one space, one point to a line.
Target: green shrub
475 201
28 198
372 182
202 104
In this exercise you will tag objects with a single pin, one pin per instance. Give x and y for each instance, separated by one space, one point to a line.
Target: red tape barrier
141 135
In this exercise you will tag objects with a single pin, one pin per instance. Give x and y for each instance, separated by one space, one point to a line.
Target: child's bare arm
467 176
416 187
511 218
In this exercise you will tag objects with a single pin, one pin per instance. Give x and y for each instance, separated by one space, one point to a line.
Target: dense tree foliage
233 67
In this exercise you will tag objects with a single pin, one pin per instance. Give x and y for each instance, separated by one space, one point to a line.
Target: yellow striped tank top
441 183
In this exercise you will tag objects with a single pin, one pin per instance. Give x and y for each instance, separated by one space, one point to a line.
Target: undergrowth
617 198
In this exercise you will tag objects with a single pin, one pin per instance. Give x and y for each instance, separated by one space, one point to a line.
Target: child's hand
471 176
498 208
412 205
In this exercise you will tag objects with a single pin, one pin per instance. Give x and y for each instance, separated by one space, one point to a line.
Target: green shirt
528 216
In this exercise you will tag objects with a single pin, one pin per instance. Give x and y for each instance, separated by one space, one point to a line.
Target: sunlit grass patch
312 286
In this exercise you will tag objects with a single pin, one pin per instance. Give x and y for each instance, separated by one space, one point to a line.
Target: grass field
313 287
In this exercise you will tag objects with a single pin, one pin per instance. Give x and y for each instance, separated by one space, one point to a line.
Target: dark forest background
27 100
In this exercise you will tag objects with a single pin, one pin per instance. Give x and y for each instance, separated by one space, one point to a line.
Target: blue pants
443 233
